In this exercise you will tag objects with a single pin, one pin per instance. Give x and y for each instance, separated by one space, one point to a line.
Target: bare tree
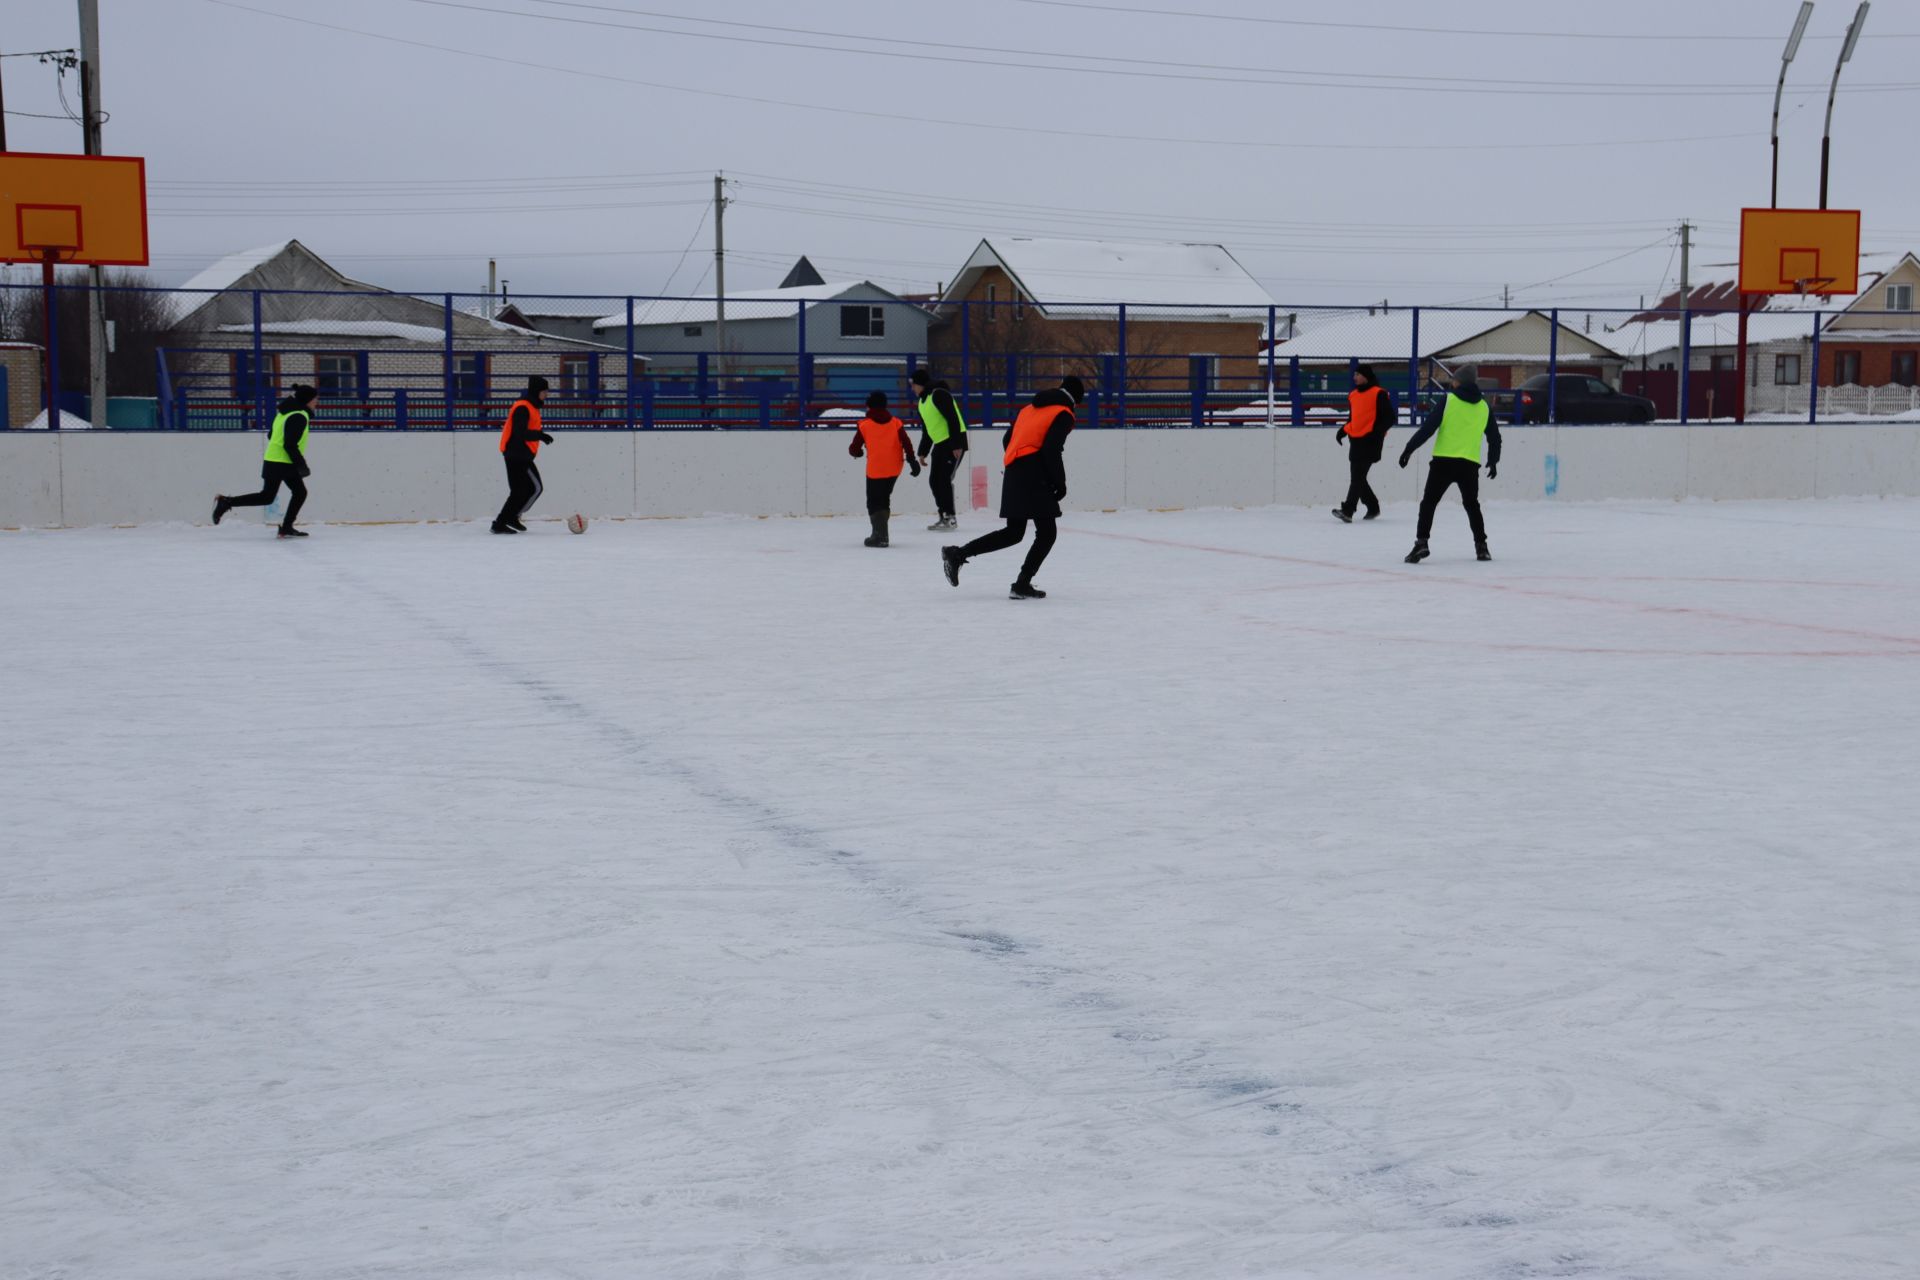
138 316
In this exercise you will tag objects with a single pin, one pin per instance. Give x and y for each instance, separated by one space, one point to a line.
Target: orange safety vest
533 423
886 455
1030 429
1363 410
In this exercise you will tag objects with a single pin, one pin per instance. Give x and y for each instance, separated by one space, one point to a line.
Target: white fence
1848 401
121 478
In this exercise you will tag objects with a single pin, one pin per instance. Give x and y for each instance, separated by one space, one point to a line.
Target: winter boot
1024 590
1419 552
950 562
221 505
879 538
1480 551
1343 515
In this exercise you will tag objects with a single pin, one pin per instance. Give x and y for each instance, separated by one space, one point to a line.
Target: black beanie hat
922 377
876 401
1075 388
304 393
1366 371
536 383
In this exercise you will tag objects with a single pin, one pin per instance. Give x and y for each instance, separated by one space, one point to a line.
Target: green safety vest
277 437
938 428
1461 428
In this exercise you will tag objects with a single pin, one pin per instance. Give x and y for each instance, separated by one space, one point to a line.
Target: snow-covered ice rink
719 898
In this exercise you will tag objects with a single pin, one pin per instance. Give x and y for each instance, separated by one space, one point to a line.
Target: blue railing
393 361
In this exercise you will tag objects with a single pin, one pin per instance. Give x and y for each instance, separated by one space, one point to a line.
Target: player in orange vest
883 438
1036 481
520 440
1370 411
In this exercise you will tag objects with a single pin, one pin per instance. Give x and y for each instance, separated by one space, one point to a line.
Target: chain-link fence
811 357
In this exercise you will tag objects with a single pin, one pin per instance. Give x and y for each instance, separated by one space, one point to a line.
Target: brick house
20 390
1026 309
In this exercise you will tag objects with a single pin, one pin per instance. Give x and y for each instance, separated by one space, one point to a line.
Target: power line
1478 33
897 118
1371 82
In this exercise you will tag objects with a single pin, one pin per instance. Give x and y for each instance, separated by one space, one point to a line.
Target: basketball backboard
90 210
1800 251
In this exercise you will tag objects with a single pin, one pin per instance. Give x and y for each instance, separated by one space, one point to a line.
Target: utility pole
1506 296
1846 56
3 113
96 296
493 288
1686 315
720 267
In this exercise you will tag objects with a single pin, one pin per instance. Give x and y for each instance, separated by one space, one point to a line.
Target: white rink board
91 478
718 897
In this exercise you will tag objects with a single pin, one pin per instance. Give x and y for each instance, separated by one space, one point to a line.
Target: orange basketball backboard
1799 251
85 209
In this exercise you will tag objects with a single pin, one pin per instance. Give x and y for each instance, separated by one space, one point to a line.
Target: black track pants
524 488
272 476
1442 474
1045 531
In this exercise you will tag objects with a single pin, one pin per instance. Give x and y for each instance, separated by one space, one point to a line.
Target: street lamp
1786 60
1846 53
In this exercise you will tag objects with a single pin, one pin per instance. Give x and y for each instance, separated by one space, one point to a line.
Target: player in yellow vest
286 462
943 435
1456 425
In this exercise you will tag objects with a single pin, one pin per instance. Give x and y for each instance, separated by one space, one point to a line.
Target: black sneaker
950 562
1343 515
221 505
875 541
293 533
1480 551
1372 515
517 526
1025 591
1418 553
501 526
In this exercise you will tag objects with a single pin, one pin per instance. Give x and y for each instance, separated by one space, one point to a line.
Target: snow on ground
721 898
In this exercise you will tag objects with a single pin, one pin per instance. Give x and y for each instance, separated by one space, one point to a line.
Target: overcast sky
1345 152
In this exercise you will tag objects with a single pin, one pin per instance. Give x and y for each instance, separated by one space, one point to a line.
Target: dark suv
1578 398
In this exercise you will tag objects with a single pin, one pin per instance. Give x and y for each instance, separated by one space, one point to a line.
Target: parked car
1577 398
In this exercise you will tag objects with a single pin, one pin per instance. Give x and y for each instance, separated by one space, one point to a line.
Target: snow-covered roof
1719 329
541 308
232 268
747 304
347 329
1203 278
1389 335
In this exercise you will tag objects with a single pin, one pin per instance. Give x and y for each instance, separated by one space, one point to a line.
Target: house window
1903 368
863 322
692 330
1722 364
1666 366
470 377
336 376
576 375
1786 371
1899 297
245 386
1019 310
1846 368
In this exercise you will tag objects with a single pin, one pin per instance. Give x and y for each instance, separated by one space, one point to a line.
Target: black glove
1060 494
1403 462
1340 435
545 438
1493 470
305 471
916 467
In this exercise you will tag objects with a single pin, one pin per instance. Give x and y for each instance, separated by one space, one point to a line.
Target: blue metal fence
393 361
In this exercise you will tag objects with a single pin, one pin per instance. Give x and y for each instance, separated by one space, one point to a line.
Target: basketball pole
47 257
96 296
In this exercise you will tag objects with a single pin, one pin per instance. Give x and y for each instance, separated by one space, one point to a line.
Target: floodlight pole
1846 55
720 269
90 125
1786 60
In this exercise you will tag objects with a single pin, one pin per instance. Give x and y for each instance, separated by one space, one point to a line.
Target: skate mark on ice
1909 644
1194 1065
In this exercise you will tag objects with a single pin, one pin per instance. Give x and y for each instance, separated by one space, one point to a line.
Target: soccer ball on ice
576 523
